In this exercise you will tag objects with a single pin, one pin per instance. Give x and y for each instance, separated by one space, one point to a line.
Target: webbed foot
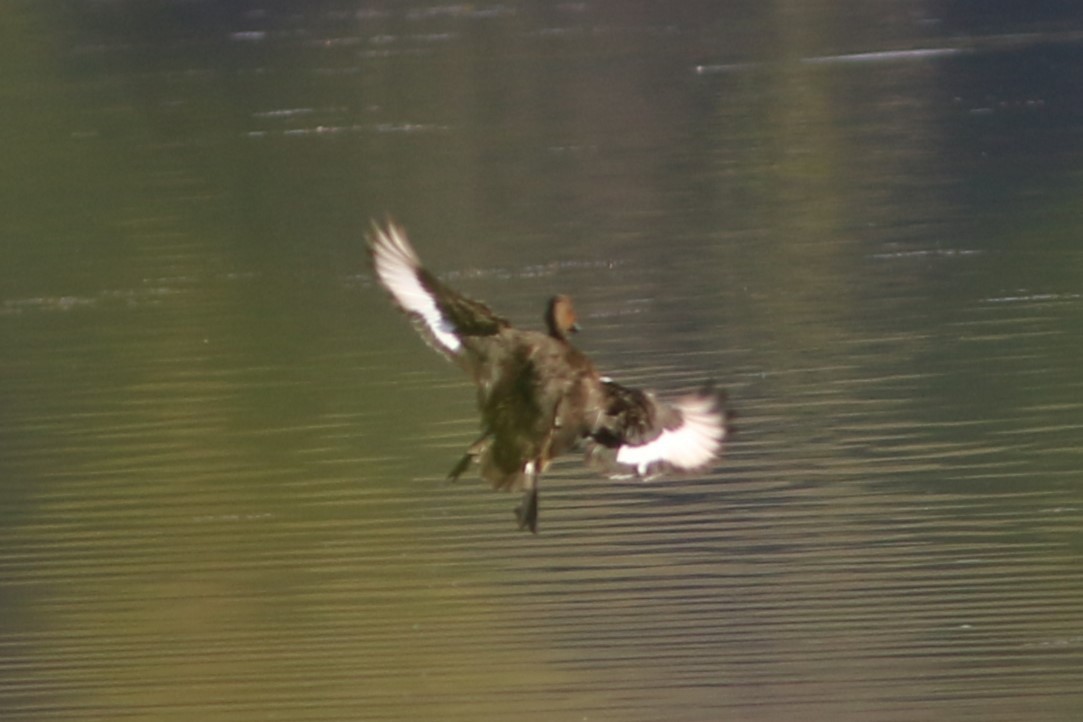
476 449
462 465
527 511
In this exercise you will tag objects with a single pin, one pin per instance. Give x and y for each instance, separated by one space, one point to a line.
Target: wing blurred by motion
441 315
642 437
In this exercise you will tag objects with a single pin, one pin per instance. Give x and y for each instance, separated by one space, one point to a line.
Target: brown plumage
539 396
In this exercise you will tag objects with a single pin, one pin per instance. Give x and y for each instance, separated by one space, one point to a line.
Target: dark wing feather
640 436
441 315
467 316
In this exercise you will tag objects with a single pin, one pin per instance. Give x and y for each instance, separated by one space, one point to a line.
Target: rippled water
223 453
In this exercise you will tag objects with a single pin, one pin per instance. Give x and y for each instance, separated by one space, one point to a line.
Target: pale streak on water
222 472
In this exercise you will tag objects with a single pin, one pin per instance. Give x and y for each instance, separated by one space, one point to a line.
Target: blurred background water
222 452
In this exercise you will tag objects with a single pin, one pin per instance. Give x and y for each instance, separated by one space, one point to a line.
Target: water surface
223 452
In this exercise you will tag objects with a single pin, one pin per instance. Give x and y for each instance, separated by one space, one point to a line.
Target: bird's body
539 396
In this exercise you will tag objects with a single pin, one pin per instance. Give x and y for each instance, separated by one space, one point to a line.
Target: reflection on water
223 456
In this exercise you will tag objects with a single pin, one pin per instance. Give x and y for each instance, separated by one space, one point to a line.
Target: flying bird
539 395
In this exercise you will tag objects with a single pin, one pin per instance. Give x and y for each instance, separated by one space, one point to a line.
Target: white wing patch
397 266
692 445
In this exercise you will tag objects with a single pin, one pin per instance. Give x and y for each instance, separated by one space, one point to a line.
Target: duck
540 396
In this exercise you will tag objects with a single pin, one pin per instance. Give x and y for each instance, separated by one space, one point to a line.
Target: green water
222 452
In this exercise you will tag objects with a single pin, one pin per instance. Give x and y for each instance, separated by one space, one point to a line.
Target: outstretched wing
441 315
640 436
